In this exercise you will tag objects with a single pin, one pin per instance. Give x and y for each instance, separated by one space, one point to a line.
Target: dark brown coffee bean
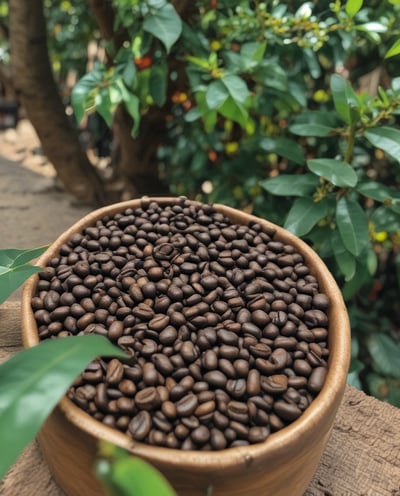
150 374
147 399
188 352
200 435
217 439
210 360
115 371
260 350
287 411
274 384
215 378
115 330
140 425
253 383
302 367
236 388
315 318
258 434
317 379
187 405
227 368
162 364
159 322
320 301
236 410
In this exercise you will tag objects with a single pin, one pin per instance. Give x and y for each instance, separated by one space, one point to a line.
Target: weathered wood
362 456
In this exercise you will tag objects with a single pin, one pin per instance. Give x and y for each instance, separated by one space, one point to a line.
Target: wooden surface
362 457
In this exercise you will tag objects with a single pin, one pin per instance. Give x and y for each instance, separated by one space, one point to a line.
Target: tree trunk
37 91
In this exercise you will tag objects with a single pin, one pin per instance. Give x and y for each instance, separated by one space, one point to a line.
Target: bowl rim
323 405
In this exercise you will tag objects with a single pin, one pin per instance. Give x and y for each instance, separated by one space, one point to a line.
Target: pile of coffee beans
225 326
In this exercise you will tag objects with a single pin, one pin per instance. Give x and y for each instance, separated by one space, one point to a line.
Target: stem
350 144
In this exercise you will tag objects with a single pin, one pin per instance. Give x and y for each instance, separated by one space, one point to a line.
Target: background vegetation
285 109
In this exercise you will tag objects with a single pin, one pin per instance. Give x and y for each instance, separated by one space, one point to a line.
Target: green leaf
284 147
131 475
385 138
216 94
337 172
311 130
133 107
377 191
353 6
385 353
393 50
353 225
236 87
104 105
304 214
33 381
344 259
82 91
158 84
344 99
360 278
129 73
234 111
164 24
14 269
291 184
384 219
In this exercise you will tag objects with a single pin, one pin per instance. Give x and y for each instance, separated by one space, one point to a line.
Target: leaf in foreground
131 476
14 269
34 380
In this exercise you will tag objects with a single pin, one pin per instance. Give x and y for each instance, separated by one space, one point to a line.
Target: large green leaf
14 269
337 172
304 214
385 138
353 225
291 184
33 381
344 99
164 24
285 148
385 353
344 259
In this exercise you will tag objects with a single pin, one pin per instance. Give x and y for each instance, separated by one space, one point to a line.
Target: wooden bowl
282 465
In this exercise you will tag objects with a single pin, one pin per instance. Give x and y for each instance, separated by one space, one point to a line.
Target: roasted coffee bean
274 384
317 379
140 425
215 378
162 364
287 411
187 405
147 398
115 371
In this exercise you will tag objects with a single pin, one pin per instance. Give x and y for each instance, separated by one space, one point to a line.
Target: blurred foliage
125 475
287 109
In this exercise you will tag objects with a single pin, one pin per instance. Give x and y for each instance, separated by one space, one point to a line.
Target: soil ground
34 209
